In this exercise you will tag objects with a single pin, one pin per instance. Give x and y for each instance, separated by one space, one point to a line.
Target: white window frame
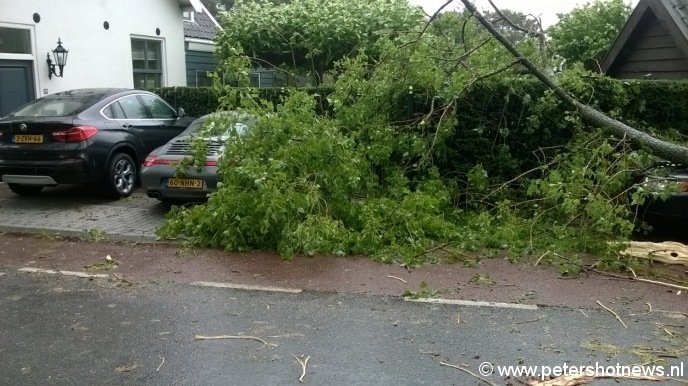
163 56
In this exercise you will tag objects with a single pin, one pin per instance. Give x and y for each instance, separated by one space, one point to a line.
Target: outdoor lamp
60 54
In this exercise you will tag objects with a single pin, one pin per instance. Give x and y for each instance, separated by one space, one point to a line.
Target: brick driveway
76 210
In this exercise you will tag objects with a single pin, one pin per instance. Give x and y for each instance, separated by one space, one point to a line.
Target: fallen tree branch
613 313
161 363
617 276
592 116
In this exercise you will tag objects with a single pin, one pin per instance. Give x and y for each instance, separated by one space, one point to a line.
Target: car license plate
185 183
25 138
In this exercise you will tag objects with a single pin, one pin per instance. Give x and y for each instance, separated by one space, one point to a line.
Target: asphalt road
66 331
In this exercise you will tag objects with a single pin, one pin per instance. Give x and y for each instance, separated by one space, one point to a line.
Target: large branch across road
592 116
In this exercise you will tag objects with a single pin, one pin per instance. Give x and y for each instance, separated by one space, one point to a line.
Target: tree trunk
592 116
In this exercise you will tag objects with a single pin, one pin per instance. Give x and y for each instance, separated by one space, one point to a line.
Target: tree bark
669 151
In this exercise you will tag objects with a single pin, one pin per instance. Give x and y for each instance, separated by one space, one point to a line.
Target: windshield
61 105
220 126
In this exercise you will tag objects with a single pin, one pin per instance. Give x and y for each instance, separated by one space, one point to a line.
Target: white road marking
471 303
65 273
246 287
2 273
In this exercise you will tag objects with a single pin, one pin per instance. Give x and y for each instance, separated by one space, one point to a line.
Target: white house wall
98 57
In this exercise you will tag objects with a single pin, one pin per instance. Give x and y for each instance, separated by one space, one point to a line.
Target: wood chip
127 368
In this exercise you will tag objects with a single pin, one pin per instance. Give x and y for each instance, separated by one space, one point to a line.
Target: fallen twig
303 363
431 250
675 286
583 312
397 278
242 337
622 277
531 321
469 372
613 313
649 310
122 282
161 363
672 312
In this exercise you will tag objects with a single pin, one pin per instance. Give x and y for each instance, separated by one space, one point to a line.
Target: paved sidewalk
119 220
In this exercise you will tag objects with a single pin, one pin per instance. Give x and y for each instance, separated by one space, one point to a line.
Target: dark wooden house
653 44
200 29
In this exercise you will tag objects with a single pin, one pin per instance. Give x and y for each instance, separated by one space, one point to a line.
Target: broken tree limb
592 116
622 277
668 252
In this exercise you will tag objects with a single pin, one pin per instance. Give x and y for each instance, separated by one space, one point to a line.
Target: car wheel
122 175
25 190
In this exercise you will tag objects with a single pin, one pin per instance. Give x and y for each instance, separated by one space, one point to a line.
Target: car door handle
127 125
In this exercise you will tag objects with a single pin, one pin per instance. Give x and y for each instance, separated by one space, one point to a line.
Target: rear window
57 106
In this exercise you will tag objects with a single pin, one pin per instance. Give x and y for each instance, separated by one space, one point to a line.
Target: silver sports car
162 175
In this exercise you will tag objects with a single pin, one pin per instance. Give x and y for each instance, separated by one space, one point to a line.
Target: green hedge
204 100
195 101
502 124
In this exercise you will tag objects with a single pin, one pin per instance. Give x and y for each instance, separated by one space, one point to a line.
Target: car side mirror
181 113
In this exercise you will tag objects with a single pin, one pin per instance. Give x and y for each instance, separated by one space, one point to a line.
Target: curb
80 234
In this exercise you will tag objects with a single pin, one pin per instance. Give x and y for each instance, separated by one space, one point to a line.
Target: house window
188 16
146 58
15 41
202 79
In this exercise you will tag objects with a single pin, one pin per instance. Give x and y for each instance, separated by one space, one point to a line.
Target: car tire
122 175
25 190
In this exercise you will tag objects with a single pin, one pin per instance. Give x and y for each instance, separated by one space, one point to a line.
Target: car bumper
67 171
155 182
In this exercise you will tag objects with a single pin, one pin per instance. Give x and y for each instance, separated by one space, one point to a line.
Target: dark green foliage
502 124
311 35
194 101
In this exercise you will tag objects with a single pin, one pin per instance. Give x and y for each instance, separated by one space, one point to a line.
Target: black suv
84 136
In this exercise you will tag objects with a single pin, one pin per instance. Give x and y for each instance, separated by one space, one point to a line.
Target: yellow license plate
185 183
24 138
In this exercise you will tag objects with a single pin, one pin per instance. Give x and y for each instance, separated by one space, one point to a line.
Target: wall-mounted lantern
60 54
